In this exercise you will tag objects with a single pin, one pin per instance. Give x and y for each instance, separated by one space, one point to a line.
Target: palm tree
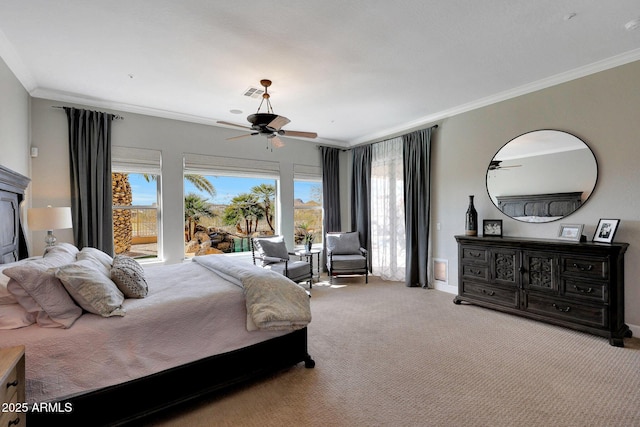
195 207
244 208
199 181
267 193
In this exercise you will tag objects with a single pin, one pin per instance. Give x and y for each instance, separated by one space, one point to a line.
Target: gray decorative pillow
344 243
91 289
128 275
273 247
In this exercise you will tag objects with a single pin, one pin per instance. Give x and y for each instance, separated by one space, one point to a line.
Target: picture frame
571 232
492 227
606 230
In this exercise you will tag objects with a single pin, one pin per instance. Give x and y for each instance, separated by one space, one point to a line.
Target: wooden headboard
13 245
543 205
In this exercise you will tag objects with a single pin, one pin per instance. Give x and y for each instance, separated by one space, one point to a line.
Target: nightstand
12 389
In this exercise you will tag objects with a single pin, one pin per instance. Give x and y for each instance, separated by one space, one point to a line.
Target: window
136 183
307 204
227 201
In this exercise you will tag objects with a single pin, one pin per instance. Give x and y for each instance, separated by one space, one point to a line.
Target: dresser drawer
595 268
480 272
12 418
473 254
588 291
9 385
591 315
506 297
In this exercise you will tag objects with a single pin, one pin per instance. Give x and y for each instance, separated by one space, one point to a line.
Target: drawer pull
581 267
584 291
490 293
475 271
564 310
475 254
14 422
13 384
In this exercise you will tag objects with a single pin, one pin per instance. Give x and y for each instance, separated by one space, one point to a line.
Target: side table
308 255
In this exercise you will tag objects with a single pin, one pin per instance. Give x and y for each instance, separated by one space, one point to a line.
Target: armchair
271 252
346 256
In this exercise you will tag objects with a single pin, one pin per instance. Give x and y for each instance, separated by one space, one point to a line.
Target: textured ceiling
352 71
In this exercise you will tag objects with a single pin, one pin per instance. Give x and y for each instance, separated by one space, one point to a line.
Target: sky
144 193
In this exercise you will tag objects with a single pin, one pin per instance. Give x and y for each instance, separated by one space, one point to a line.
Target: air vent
253 92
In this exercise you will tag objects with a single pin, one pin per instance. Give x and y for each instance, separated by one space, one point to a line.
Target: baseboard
441 286
635 330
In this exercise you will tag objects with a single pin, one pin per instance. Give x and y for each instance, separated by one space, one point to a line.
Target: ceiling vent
253 92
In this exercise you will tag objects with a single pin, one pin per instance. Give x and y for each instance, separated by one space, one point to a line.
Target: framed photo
606 230
570 232
492 227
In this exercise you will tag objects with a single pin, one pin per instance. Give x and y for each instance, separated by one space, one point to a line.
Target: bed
540 207
192 334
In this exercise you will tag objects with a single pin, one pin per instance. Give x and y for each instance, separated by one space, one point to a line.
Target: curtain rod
115 116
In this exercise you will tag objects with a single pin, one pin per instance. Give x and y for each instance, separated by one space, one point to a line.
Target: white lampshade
49 218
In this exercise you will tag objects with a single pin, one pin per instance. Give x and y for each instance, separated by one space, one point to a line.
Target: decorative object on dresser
606 230
571 232
542 176
492 227
575 285
471 220
12 391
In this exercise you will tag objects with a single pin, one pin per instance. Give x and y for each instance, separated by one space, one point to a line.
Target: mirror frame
569 201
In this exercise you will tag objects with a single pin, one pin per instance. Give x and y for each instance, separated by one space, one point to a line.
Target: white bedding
190 313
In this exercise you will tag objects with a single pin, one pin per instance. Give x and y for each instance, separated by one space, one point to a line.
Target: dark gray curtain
417 182
90 169
361 194
330 194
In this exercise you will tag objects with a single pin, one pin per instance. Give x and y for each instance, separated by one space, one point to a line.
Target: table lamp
49 219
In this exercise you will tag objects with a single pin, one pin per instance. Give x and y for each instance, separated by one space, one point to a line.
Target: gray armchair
346 256
271 252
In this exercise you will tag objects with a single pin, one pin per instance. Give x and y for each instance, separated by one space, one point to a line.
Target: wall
51 169
601 109
14 122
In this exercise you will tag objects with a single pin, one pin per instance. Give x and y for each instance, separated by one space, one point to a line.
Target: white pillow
6 297
39 292
96 255
91 289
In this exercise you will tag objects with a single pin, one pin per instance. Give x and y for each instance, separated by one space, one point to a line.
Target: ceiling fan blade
241 136
298 133
276 141
233 124
278 122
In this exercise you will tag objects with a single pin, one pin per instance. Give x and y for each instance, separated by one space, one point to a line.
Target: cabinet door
504 267
540 272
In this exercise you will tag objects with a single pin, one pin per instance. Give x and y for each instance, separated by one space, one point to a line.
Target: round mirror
542 176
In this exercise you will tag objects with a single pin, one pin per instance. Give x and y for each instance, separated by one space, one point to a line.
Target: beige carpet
387 355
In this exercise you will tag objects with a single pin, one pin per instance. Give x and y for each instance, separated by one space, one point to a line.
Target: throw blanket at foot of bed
273 301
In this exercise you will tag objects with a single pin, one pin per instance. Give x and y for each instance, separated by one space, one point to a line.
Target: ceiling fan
268 124
495 165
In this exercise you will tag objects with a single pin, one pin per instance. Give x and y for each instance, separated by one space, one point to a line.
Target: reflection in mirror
542 176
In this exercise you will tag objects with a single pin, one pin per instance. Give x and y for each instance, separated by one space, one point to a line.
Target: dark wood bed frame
134 400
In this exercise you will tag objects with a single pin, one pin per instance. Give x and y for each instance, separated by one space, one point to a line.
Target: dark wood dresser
571 284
